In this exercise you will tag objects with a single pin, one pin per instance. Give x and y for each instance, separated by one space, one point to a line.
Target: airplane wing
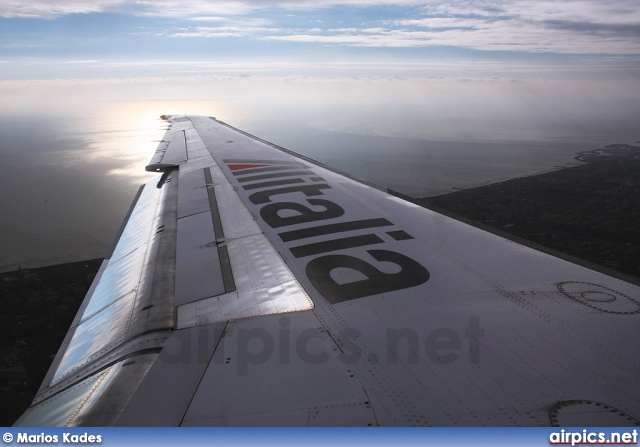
252 286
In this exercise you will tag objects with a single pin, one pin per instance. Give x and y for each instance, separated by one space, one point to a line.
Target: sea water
70 173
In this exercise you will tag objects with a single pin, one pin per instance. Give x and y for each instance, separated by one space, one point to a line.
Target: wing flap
106 319
95 400
186 356
309 389
264 286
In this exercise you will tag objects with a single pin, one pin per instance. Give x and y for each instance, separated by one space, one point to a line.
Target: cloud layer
572 26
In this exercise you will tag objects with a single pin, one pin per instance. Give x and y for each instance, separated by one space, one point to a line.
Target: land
37 307
590 212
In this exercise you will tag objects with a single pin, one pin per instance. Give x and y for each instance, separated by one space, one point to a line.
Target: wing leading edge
253 286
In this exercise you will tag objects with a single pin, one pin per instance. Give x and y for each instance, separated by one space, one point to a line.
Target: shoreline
587 213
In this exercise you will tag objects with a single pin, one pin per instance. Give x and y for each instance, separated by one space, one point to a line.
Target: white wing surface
252 286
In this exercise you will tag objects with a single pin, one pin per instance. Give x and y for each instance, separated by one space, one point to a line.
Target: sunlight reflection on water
73 164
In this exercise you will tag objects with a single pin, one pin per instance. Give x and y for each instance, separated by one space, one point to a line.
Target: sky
515 62
484 39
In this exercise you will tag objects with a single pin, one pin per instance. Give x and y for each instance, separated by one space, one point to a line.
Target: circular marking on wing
588 413
600 297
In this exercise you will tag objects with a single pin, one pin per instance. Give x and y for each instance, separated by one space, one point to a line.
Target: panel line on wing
223 254
198 273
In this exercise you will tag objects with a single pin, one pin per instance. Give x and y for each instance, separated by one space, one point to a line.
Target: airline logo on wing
288 194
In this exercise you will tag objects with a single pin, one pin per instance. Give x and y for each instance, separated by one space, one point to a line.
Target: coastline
588 212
